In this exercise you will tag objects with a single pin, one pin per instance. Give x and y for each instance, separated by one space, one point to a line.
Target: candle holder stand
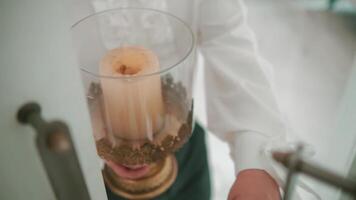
137 67
157 153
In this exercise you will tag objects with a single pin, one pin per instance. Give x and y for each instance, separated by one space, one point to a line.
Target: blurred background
311 45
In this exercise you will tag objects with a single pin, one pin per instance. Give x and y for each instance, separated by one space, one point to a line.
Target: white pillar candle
134 106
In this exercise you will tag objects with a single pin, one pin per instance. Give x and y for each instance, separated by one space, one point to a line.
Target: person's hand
254 184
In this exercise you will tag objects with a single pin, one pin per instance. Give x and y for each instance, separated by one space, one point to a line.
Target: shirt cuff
247 151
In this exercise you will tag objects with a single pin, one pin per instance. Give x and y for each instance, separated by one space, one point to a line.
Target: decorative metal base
161 176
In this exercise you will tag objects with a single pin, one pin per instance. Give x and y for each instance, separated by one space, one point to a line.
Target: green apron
193 180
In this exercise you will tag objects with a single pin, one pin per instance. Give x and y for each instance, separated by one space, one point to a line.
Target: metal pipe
57 153
317 172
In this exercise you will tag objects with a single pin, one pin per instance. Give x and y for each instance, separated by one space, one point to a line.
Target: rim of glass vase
160 72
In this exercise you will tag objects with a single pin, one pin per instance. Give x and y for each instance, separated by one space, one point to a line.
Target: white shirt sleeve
242 108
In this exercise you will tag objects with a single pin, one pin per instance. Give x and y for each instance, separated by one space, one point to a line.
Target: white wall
37 64
313 54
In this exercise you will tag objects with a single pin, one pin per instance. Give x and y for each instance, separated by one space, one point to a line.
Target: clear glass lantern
136 66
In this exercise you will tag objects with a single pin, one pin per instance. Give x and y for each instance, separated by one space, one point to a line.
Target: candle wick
123 69
127 70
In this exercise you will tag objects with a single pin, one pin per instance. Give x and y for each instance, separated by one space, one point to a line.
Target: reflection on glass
135 66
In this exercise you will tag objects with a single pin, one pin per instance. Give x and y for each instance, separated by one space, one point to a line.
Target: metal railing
295 165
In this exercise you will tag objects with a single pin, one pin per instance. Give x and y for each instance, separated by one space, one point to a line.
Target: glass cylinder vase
136 65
